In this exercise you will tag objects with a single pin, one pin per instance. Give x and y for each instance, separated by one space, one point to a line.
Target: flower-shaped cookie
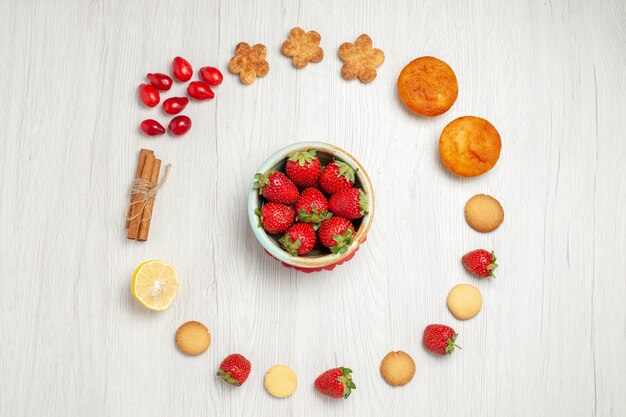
249 62
360 59
303 47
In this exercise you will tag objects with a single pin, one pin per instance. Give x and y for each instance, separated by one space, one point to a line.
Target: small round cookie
280 381
193 338
428 86
397 368
483 213
464 301
469 146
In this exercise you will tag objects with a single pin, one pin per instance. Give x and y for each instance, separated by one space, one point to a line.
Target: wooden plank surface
550 340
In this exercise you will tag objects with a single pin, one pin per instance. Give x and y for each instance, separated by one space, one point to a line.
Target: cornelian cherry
181 69
211 76
151 127
200 90
180 125
149 95
175 105
160 81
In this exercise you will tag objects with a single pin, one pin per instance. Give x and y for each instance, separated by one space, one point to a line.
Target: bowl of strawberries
311 205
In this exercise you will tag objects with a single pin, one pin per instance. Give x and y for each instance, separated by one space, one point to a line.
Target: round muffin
469 146
428 86
484 213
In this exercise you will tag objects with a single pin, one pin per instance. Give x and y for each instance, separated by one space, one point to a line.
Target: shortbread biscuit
280 381
302 47
483 213
397 368
193 338
428 86
249 62
469 146
360 59
464 301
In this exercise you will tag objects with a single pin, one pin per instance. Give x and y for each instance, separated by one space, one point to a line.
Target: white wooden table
550 340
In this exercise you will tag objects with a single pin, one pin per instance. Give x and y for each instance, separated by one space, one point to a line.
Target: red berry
440 339
275 218
181 69
337 234
299 239
276 187
312 206
175 105
303 168
179 125
335 383
235 369
480 263
151 127
149 95
211 76
350 203
336 176
160 81
200 90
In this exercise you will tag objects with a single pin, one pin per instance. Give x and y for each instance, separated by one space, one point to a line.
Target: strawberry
275 218
312 206
336 234
335 383
299 239
439 339
350 203
235 369
480 263
303 168
276 187
336 176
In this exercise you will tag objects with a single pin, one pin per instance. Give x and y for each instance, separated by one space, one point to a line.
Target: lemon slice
155 284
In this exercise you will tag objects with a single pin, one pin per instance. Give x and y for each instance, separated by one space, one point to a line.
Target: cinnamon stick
136 205
146 217
143 154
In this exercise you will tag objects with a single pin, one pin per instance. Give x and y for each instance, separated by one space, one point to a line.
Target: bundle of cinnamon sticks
142 196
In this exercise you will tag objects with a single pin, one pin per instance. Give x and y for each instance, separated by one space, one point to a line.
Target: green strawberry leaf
363 203
315 217
343 242
261 180
491 267
226 377
258 213
290 246
345 170
302 157
451 344
346 380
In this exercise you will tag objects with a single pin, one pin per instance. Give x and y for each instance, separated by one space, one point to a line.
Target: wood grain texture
550 75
